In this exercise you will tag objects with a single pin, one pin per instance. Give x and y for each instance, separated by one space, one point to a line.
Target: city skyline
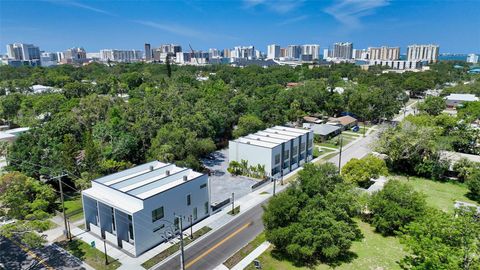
98 25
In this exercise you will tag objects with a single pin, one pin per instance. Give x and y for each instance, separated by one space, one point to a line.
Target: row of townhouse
280 149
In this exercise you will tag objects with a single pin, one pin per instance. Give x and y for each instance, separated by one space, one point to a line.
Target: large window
294 150
189 199
277 158
113 219
206 208
130 228
302 147
195 214
203 185
286 154
157 214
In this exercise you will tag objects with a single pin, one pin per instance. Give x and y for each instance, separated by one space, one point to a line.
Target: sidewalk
252 256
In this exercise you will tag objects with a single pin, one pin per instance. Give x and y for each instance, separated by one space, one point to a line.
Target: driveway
222 183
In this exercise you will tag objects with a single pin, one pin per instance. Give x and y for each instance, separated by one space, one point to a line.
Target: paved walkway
252 256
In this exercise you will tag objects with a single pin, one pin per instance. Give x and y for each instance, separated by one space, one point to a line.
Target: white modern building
428 53
120 55
398 64
22 51
273 51
310 52
280 149
472 58
294 51
453 100
141 207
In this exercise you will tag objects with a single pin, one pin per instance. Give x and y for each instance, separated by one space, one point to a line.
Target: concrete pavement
252 256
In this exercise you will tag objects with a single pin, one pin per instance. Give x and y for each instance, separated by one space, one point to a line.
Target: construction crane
193 52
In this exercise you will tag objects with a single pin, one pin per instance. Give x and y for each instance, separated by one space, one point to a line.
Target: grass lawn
441 195
331 143
90 255
243 252
372 252
174 248
73 208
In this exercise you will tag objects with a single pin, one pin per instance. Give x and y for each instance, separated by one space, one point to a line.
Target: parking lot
222 183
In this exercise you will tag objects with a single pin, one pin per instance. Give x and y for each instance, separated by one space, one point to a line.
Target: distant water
458 57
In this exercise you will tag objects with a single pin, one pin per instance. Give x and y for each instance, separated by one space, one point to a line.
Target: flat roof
148 179
324 129
272 137
462 97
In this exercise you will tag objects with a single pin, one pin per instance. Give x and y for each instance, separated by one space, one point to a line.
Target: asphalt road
213 250
13 257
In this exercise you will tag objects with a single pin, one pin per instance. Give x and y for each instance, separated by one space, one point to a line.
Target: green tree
396 205
248 124
23 197
443 241
360 171
432 105
312 220
473 183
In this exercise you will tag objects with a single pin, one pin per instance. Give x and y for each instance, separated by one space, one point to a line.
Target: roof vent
258 139
248 142
268 135
151 167
276 132
167 172
185 178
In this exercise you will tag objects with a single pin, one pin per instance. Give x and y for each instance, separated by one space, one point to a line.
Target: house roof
324 129
344 120
148 179
312 119
272 137
462 97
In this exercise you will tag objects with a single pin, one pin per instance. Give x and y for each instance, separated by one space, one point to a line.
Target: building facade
384 53
75 55
426 53
273 51
472 58
294 51
311 51
141 207
22 51
342 50
120 55
148 52
279 149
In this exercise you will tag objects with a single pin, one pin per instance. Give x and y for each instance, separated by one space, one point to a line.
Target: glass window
286 154
294 150
177 223
203 186
206 208
113 219
157 214
277 158
189 199
130 227
302 147
195 214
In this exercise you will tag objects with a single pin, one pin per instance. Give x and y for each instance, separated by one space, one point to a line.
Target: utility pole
182 257
63 203
340 154
105 248
274 184
69 231
191 227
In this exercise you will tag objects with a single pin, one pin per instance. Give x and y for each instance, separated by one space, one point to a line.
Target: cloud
293 20
80 5
278 6
349 12
175 29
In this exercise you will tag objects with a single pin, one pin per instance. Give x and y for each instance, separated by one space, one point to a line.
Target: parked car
355 128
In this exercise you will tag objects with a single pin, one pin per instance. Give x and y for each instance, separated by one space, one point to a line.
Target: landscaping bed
89 255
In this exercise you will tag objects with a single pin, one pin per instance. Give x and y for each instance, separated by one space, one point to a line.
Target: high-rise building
384 53
342 50
283 52
22 51
48 59
148 52
311 52
294 51
244 52
214 53
273 51
120 55
427 53
75 55
227 53
170 48
472 58
326 54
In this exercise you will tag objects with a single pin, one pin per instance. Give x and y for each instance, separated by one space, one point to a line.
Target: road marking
217 245
33 255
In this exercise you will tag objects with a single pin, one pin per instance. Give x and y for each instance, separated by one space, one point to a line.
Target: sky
55 25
